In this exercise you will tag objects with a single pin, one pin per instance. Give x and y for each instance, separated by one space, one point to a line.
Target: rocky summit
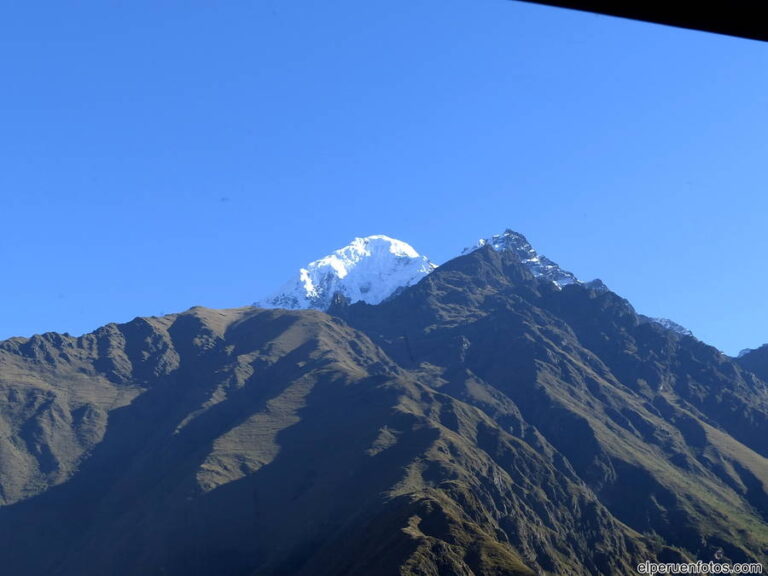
481 418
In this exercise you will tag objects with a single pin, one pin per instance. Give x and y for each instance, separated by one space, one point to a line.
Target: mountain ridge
365 270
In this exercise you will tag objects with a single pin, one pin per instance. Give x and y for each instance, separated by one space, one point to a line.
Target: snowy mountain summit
540 266
369 269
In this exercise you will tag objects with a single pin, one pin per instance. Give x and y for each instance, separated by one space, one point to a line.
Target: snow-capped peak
540 266
368 269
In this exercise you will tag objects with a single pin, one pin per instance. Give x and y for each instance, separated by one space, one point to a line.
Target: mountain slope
256 428
667 431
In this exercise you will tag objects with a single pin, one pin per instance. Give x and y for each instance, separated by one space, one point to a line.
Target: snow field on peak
368 269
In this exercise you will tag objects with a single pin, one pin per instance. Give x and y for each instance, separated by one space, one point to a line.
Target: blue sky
155 156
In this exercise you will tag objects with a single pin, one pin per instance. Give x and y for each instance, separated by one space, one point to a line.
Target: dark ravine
480 422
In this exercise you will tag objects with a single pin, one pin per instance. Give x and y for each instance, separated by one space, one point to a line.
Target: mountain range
373 268
491 415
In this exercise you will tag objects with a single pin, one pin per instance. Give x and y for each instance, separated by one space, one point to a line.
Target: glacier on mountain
369 269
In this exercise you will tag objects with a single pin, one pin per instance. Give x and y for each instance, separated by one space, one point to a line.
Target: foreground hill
484 421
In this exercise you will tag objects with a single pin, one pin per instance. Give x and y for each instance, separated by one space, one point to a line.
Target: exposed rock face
517 244
484 421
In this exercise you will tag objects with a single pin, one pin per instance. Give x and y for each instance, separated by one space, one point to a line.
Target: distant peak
368 269
540 266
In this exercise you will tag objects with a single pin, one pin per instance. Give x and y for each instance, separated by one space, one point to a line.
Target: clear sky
159 155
